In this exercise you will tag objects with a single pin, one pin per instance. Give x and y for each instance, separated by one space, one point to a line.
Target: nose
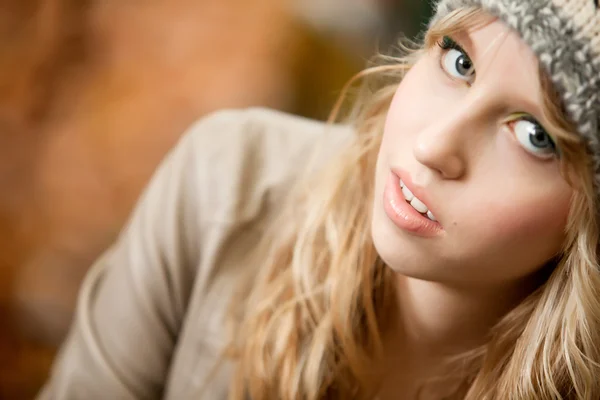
442 145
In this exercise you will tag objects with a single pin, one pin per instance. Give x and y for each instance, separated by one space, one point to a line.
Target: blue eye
534 138
455 61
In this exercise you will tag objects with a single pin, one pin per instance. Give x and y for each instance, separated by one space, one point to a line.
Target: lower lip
403 215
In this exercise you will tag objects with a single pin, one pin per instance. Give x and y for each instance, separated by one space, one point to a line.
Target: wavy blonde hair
309 325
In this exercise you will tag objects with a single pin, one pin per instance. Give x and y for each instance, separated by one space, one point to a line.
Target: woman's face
466 134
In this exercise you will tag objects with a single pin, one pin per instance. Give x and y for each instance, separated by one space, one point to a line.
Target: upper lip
419 192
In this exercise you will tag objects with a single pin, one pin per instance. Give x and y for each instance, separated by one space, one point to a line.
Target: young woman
441 245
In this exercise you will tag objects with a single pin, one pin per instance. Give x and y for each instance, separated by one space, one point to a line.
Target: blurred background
94 93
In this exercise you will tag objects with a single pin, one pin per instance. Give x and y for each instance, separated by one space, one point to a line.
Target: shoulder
273 134
238 155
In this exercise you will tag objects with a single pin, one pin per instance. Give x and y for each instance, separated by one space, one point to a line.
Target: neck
440 318
436 321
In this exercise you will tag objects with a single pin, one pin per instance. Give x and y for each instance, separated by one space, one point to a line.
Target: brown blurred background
94 93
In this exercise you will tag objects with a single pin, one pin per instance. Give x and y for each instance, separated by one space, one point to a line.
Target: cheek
530 220
517 236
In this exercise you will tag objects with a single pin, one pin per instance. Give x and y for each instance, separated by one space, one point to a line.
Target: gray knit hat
565 35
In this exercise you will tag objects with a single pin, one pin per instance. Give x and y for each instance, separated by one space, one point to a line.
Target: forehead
504 62
492 37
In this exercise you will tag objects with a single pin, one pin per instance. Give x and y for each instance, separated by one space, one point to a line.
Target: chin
403 253
394 249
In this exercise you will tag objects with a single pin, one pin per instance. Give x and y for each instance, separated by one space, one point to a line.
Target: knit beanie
565 35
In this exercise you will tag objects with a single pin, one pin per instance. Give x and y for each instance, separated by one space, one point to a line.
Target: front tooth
430 216
418 205
401 183
407 194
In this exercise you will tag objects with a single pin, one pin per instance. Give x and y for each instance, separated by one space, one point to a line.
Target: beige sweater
149 320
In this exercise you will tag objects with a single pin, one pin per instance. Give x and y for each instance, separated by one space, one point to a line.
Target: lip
402 214
417 191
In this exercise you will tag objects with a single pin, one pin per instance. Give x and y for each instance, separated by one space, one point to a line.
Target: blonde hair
308 326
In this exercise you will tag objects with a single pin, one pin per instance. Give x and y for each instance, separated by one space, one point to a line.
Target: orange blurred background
94 93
